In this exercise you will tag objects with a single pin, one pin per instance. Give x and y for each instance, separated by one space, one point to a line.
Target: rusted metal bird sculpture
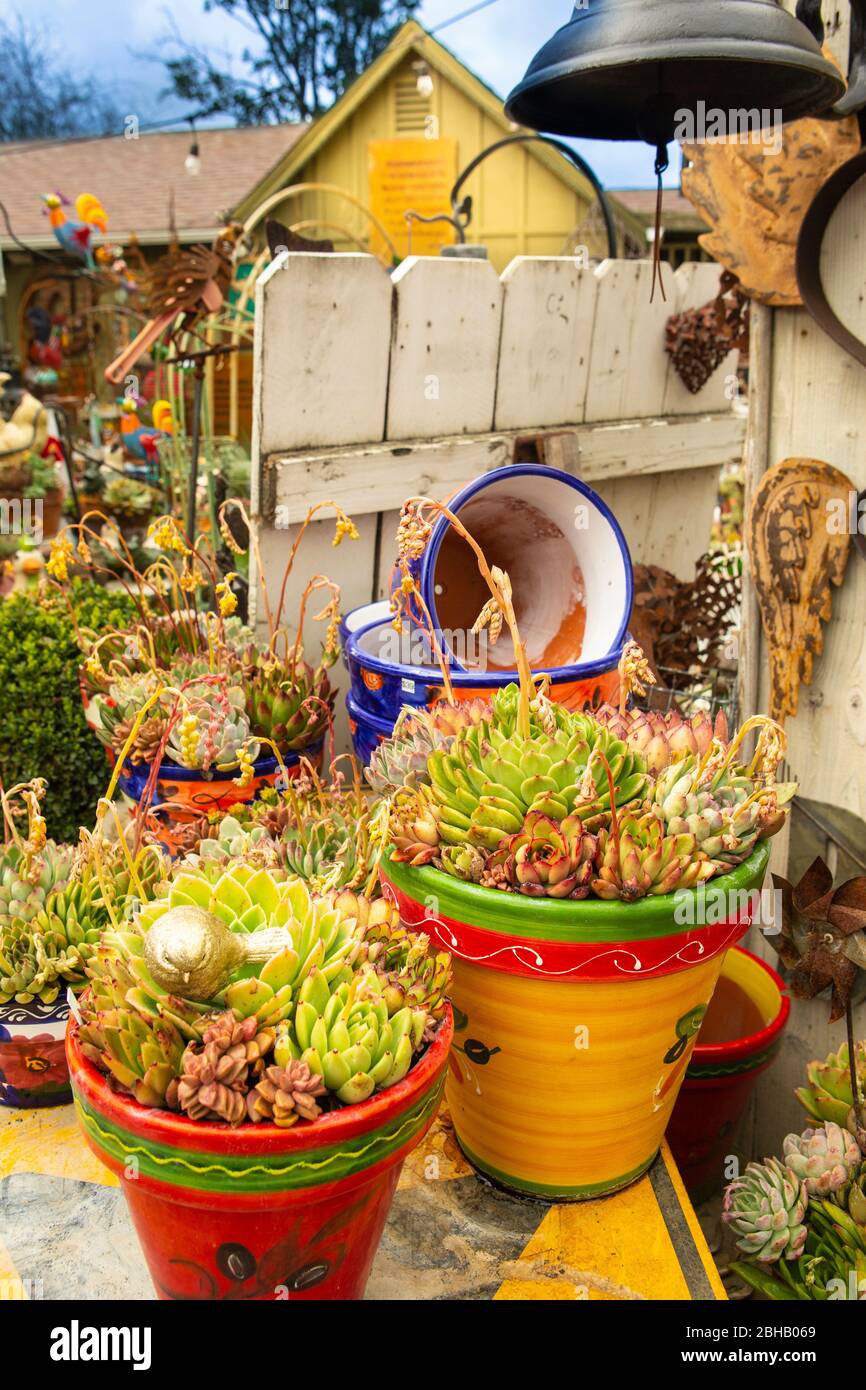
183 285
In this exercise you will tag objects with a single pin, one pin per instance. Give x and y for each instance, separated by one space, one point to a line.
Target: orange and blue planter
258 1212
574 1022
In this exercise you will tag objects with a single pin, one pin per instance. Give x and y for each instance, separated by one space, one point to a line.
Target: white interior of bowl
369 613
560 552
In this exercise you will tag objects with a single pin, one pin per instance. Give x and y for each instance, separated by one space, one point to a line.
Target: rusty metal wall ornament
699 340
755 200
796 555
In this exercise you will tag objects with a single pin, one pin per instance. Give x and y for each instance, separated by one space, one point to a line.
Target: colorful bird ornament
75 237
141 441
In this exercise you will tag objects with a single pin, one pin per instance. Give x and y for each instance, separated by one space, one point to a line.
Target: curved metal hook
463 210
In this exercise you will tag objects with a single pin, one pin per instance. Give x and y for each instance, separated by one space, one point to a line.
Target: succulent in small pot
272 1055
185 690
59 901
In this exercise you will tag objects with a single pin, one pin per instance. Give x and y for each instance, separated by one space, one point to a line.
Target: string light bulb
192 163
424 81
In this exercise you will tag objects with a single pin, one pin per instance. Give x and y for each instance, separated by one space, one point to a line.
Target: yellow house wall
519 206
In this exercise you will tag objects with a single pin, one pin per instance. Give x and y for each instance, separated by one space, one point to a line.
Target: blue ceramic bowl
367 731
558 541
381 685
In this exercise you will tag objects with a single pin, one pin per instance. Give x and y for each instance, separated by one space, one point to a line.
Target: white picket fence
371 387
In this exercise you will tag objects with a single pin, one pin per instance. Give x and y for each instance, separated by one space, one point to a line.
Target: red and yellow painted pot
721 1075
258 1212
574 1021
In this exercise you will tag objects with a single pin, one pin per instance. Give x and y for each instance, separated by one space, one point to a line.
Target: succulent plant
766 1208
663 738
348 1037
545 859
401 761
414 826
214 1075
285 1094
407 970
829 1096
636 858
490 780
37 962
826 1159
138 1041
213 730
214 999
287 702
229 841
27 881
726 815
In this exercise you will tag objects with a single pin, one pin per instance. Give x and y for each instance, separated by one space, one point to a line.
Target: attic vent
411 109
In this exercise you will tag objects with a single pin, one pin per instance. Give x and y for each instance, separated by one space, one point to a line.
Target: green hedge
42 727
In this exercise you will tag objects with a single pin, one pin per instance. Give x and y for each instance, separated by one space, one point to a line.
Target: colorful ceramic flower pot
563 550
182 794
389 669
33 1070
367 731
260 1212
748 1014
574 1021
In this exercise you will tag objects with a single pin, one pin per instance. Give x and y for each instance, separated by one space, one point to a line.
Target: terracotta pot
259 1212
33 1070
721 1076
574 1021
52 510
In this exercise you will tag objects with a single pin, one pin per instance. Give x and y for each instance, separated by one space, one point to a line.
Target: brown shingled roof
132 179
677 211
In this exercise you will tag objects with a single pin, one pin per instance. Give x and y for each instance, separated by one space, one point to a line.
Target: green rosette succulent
232 842
250 939
766 1209
36 962
828 1095
347 1036
211 969
26 882
490 780
636 858
287 702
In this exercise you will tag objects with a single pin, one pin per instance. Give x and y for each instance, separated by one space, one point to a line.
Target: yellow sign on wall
412 174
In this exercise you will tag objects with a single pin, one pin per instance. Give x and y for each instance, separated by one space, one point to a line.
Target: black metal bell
628 69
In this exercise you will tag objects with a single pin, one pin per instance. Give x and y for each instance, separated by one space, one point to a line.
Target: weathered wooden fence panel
445 348
321 361
544 357
371 388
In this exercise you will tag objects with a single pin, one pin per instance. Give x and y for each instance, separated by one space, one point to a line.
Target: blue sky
497 43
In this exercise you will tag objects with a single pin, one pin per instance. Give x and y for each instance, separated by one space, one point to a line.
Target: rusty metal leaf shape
796 556
823 934
754 199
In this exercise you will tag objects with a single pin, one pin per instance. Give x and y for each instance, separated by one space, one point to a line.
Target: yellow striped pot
574 1021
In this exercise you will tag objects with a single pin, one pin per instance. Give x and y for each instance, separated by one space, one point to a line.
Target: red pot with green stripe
739 1039
259 1212
574 1021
